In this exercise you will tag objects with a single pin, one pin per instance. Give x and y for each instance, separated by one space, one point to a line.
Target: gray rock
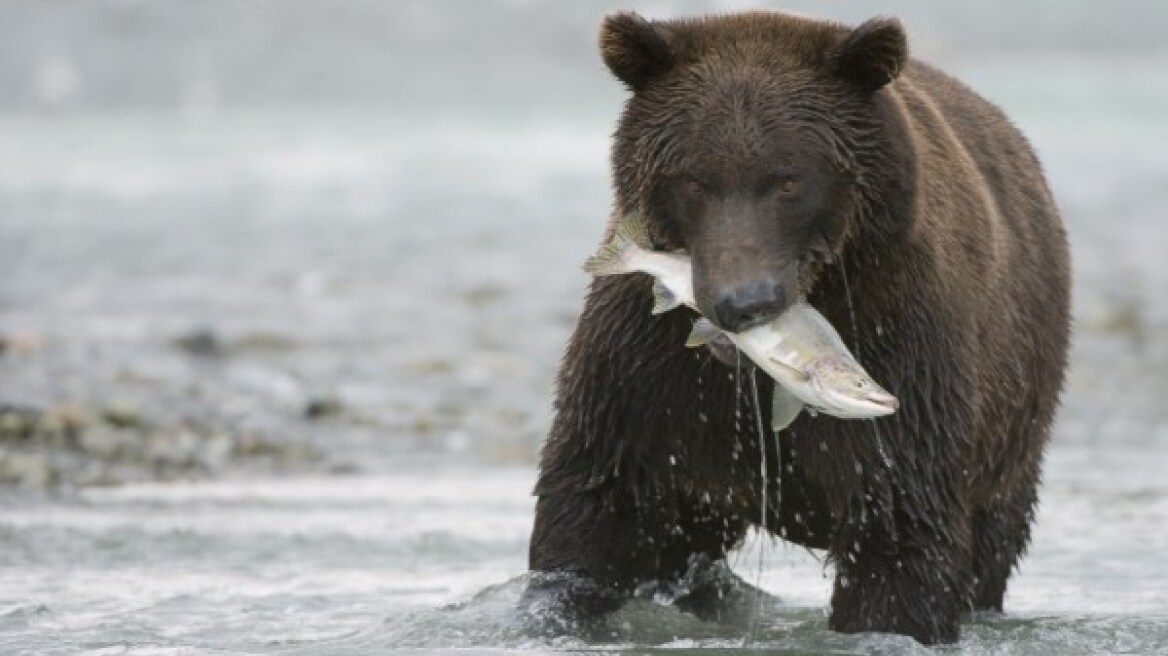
17 421
107 443
123 414
202 342
25 469
323 406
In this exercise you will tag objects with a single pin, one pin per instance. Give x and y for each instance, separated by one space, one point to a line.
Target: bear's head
755 142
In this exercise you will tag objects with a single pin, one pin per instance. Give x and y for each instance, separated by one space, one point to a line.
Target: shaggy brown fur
793 156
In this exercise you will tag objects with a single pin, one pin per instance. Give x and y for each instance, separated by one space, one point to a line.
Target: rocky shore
67 445
112 432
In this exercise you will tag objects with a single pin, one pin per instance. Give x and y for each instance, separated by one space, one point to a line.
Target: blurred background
284 285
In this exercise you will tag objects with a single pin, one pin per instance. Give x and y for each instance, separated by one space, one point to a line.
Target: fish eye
861 384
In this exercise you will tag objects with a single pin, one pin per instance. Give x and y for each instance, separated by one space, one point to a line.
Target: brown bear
797 158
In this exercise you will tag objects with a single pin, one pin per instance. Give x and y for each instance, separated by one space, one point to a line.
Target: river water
300 273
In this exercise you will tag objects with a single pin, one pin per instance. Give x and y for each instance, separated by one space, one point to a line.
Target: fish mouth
862 406
883 400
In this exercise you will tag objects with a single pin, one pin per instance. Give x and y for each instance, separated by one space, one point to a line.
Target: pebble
72 418
18 422
24 469
21 344
261 341
323 406
105 442
200 342
214 450
176 450
122 414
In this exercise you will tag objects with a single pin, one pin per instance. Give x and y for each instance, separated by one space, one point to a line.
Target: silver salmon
799 349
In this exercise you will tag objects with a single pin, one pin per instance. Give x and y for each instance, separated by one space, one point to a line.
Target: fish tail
608 260
630 233
634 228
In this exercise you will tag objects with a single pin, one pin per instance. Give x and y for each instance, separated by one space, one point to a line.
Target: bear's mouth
725 351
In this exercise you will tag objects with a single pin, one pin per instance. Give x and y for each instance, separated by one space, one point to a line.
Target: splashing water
888 463
851 308
748 639
737 393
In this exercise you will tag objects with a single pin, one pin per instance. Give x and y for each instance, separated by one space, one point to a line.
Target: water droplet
673 460
879 330
851 308
702 417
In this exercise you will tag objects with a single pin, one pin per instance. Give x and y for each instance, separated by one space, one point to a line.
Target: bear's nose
746 306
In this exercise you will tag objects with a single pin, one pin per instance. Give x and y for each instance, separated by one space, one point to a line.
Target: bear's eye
694 187
783 185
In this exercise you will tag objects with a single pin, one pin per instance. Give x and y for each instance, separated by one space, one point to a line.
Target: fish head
848 392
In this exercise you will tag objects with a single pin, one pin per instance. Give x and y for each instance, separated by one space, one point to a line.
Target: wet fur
959 275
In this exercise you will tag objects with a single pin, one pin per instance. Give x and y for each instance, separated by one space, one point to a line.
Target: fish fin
634 228
796 373
632 231
664 300
703 332
785 406
608 260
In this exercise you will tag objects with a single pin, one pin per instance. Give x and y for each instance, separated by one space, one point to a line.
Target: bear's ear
871 55
635 50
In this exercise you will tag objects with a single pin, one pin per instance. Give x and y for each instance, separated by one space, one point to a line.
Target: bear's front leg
900 556
639 479
583 559
588 557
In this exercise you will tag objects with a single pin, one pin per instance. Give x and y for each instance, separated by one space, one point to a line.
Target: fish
799 349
